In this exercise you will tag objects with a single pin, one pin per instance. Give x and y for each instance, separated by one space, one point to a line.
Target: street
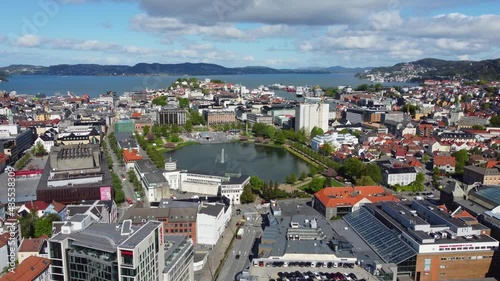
241 250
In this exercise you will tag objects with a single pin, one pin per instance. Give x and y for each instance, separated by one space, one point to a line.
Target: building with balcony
83 249
179 258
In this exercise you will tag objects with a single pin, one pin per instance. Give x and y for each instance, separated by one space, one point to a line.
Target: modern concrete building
86 250
432 243
211 222
308 116
232 188
179 258
13 141
74 173
171 115
334 139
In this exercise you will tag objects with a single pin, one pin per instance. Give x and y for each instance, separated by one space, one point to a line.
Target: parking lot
310 271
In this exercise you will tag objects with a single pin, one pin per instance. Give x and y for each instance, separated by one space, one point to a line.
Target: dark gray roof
103 236
139 235
211 210
141 215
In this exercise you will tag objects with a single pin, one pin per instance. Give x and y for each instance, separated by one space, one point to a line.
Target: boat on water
291 89
299 92
277 86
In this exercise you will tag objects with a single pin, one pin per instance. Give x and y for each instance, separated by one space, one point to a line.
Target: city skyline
238 33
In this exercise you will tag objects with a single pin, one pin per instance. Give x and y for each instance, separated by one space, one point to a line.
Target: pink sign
106 193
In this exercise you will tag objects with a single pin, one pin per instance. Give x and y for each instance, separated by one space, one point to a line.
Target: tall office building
83 249
310 115
169 115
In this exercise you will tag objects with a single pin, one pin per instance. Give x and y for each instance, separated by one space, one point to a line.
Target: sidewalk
216 255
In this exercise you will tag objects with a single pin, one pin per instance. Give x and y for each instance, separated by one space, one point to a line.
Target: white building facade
308 116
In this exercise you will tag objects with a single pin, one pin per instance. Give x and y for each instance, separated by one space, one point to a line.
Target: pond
268 163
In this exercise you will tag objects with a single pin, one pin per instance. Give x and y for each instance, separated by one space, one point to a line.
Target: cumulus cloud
298 12
28 41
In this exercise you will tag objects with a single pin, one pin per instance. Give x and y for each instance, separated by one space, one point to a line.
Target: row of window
186 230
466 258
467 248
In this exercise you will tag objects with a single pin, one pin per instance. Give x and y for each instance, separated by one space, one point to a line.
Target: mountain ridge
178 69
431 68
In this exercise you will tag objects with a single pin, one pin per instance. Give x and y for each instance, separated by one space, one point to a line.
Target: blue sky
275 33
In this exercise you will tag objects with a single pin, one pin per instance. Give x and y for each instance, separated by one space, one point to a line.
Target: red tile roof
442 160
36 205
28 270
332 197
58 206
33 244
130 156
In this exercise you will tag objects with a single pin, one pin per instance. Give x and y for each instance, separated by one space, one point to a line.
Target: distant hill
3 76
149 69
441 69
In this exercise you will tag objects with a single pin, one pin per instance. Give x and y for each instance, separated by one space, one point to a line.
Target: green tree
161 101
28 225
326 149
175 138
365 181
362 87
426 158
420 178
43 226
352 167
280 137
188 126
256 183
247 196
373 171
303 176
269 132
316 185
39 149
461 158
145 130
478 127
183 102
316 132
313 171
495 121
259 129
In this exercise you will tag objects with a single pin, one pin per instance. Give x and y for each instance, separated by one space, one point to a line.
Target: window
442 266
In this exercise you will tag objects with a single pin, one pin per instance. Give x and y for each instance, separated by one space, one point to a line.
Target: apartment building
83 249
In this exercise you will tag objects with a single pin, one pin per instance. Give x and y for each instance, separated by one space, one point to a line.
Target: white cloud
464 57
28 41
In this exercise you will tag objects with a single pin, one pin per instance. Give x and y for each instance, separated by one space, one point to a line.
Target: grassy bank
302 157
